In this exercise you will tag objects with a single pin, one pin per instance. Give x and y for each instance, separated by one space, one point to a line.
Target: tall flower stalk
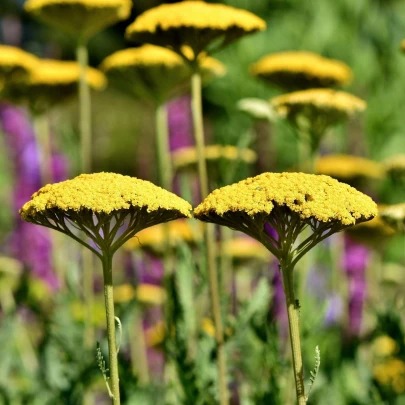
288 203
108 209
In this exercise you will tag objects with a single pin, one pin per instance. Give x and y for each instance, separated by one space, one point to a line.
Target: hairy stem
209 234
163 149
293 322
109 311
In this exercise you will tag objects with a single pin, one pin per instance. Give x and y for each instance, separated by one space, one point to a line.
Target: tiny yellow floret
298 70
310 196
103 193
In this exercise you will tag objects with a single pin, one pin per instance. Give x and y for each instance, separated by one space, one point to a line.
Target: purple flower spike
355 263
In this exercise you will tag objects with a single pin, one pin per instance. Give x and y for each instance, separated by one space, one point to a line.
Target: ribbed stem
163 149
209 236
293 322
109 311
85 109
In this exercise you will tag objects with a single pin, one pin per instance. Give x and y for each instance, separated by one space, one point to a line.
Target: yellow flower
320 107
391 373
394 215
15 64
347 167
384 346
403 45
185 157
155 73
83 18
193 23
288 202
155 335
123 293
150 294
100 204
52 82
395 167
299 70
78 311
156 237
242 248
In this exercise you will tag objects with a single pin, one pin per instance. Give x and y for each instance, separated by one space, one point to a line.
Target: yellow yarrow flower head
395 167
15 64
82 18
391 374
242 249
289 203
196 24
317 109
109 208
349 167
159 237
155 73
300 70
52 82
394 216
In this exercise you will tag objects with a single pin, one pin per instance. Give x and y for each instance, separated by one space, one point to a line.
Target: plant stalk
293 323
163 148
209 235
109 311
41 129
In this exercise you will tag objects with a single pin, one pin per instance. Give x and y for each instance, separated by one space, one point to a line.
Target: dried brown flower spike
288 203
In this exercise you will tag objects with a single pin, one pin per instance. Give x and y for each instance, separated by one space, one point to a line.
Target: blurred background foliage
365 34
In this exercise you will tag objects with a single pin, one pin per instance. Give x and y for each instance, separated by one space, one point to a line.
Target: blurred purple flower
180 123
355 262
29 243
334 310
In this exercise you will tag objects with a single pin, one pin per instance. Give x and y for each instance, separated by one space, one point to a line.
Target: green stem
85 109
138 353
88 294
293 322
163 149
209 235
41 126
109 311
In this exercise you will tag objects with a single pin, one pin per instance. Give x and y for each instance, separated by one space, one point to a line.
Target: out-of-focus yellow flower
384 346
243 248
394 216
150 294
123 293
391 373
82 18
348 167
193 23
15 64
155 335
154 72
159 236
186 157
79 311
402 46
299 70
208 326
395 167
52 82
321 108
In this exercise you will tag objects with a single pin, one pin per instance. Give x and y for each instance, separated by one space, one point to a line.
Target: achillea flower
158 237
394 216
196 24
15 64
148 294
91 201
185 157
321 107
385 346
83 18
288 203
51 82
348 167
395 167
299 70
391 373
155 73
244 249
